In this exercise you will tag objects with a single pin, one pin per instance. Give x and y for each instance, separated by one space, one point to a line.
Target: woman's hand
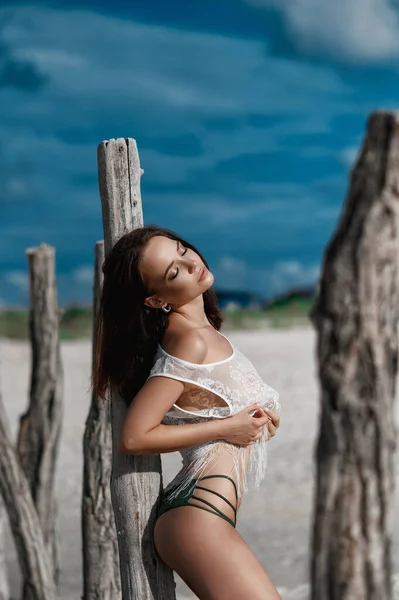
243 429
274 421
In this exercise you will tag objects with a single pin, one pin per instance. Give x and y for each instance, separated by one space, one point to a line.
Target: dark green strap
198 487
225 477
215 510
213 513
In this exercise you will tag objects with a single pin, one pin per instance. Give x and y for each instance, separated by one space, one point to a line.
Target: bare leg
211 556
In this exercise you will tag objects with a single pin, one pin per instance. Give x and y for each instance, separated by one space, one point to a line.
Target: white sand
275 521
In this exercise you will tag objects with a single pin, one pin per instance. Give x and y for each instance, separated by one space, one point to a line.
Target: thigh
211 556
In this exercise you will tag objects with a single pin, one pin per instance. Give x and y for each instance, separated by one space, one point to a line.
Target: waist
212 458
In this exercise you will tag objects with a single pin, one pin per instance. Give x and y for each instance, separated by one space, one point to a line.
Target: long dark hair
127 330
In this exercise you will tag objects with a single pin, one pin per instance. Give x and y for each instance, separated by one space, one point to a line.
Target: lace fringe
198 462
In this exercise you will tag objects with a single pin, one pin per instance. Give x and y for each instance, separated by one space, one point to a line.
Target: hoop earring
166 308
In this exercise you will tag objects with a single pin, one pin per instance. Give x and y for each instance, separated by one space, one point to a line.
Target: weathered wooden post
136 480
4 586
40 426
26 528
101 578
356 313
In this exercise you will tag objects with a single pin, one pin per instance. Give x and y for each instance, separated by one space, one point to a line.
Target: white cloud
284 275
138 65
16 188
83 275
155 82
348 155
75 286
164 80
273 213
354 30
18 279
50 59
232 273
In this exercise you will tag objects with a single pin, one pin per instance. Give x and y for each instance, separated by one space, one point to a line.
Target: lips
202 273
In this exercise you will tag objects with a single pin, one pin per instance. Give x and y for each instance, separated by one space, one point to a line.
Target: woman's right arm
143 433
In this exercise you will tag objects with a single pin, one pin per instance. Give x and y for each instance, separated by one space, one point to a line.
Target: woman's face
173 271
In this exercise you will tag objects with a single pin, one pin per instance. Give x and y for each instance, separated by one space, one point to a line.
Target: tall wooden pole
40 427
136 480
356 314
101 578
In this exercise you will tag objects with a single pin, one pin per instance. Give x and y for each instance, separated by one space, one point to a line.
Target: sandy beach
275 520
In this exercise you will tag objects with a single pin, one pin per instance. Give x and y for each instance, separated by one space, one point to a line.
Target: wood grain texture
4 586
101 578
34 561
136 481
40 426
356 314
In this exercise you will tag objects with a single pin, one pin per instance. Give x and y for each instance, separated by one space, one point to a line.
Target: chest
197 398
214 390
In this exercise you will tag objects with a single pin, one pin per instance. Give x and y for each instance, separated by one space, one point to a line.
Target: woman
160 348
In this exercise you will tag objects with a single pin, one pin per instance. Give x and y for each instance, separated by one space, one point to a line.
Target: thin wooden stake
4 584
101 578
40 426
25 526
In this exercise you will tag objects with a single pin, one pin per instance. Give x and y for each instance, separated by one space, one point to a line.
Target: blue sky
247 114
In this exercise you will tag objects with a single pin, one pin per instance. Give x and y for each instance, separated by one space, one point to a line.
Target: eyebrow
168 267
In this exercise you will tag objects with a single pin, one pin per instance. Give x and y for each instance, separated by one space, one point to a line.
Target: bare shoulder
186 344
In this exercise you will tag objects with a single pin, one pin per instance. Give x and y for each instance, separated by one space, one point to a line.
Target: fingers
248 409
269 419
274 417
262 421
260 413
271 430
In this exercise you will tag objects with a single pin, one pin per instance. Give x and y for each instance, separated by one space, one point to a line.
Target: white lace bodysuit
234 380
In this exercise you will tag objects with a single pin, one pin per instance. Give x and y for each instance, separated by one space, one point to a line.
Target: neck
192 312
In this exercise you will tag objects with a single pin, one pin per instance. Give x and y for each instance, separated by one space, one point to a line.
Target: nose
193 265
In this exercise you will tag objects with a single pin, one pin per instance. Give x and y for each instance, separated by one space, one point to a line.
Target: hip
214 493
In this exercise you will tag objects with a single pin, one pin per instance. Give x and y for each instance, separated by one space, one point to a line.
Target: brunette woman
187 388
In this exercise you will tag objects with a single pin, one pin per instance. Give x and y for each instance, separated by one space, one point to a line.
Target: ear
153 302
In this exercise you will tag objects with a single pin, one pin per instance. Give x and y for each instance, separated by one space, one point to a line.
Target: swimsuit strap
225 477
214 508
219 513
198 487
186 499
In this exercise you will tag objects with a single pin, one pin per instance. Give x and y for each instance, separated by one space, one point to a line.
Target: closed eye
177 268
